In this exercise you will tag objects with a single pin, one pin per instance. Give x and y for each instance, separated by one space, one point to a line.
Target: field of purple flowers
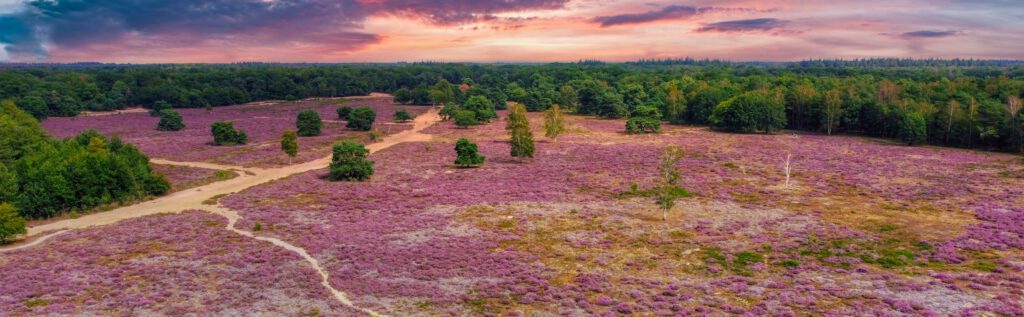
263 122
171 265
185 177
866 226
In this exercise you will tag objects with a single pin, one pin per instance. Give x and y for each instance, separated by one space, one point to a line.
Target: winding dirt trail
192 199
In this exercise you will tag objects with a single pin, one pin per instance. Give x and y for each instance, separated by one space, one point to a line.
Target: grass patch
213 200
37 302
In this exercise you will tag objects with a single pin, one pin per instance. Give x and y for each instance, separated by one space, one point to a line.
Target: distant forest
963 102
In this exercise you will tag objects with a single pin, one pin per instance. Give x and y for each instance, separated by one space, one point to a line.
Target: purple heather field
866 227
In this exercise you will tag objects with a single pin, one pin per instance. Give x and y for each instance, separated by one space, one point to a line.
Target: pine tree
519 127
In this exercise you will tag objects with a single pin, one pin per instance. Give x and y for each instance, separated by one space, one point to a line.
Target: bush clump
482 107
308 123
224 133
465 118
361 119
349 162
646 119
158 107
466 154
402 116
11 224
170 120
343 112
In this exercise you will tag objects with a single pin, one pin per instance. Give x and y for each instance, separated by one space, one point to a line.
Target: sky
194 31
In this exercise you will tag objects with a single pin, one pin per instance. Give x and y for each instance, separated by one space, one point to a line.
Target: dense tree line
43 177
965 103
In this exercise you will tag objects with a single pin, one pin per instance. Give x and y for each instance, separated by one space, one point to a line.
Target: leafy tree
612 105
465 118
11 224
289 143
402 116
20 133
402 96
554 123
170 120
361 119
668 191
158 107
646 120
448 111
749 112
522 137
349 162
466 154
833 109
675 103
224 133
308 123
912 129
343 112
482 107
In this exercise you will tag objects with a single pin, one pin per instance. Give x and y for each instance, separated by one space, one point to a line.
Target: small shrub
467 155
465 118
158 107
257 227
554 124
308 123
289 144
170 120
343 112
361 119
448 111
224 133
645 120
402 116
349 162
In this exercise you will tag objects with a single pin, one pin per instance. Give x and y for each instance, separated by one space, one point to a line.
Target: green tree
646 119
308 123
402 95
224 133
833 110
448 111
668 190
554 123
349 162
11 224
749 112
343 112
158 107
401 115
482 107
465 118
522 137
289 144
466 154
170 120
913 129
361 119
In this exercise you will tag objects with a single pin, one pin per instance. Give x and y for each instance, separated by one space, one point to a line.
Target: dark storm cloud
675 12
927 34
72 24
755 25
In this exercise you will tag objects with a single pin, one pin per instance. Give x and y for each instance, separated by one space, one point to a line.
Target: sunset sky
156 31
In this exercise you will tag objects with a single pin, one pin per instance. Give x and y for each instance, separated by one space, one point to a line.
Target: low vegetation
224 133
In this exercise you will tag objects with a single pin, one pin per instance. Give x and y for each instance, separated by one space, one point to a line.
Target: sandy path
212 166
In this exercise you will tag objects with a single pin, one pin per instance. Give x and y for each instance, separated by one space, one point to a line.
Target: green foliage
448 111
289 144
8 184
554 123
466 154
11 224
308 123
668 190
519 128
401 115
749 112
482 107
349 162
170 120
20 133
361 119
343 112
465 118
224 133
912 129
646 119
401 95
158 107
